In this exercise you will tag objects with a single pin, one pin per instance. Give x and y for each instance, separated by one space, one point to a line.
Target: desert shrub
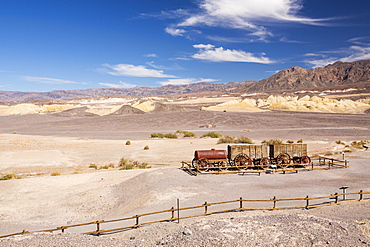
104 167
127 167
272 142
122 161
171 136
300 141
156 135
289 141
340 142
143 165
347 151
55 174
160 135
226 139
111 165
358 144
212 135
146 148
128 142
186 133
315 156
93 166
8 177
329 153
244 139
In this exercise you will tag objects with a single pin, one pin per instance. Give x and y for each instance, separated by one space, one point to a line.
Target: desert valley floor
34 146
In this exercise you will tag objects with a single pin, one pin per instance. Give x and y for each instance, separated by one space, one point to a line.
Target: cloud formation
359 51
135 71
249 15
219 54
185 81
118 85
51 80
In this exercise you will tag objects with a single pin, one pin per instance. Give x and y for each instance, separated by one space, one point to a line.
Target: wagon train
250 156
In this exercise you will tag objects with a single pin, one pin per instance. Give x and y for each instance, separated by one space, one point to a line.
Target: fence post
361 195
336 198
172 213
178 210
274 202
241 204
205 208
98 228
137 221
307 202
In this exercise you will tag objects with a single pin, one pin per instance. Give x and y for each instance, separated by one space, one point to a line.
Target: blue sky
50 45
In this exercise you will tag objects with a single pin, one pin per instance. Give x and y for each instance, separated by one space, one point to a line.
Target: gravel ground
267 228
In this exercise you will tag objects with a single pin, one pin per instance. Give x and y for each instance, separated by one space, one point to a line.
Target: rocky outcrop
297 78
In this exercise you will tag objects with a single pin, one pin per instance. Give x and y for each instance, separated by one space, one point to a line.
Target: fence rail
332 199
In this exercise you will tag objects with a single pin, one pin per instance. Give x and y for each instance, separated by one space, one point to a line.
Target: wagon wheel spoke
223 165
283 160
242 161
204 164
264 163
305 160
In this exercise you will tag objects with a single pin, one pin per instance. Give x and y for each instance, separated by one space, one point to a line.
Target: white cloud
118 85
202 46
175 31
133 70
208 80
245 14
151 55
219 54
51 80
185 81
349 54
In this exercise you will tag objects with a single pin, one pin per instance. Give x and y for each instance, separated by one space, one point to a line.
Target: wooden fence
178 213
322 163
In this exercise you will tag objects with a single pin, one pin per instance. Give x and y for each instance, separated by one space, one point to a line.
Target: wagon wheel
203 163
264 162
223 165
297 160
283 160
305 160
242 161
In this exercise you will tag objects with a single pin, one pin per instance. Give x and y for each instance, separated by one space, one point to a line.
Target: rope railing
332 199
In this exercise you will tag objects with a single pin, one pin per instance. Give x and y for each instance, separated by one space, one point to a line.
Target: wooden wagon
289 154
244 156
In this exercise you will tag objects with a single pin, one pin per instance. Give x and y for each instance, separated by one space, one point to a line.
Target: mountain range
337 75
331 76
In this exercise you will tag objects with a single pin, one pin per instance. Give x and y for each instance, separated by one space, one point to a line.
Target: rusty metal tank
210 154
